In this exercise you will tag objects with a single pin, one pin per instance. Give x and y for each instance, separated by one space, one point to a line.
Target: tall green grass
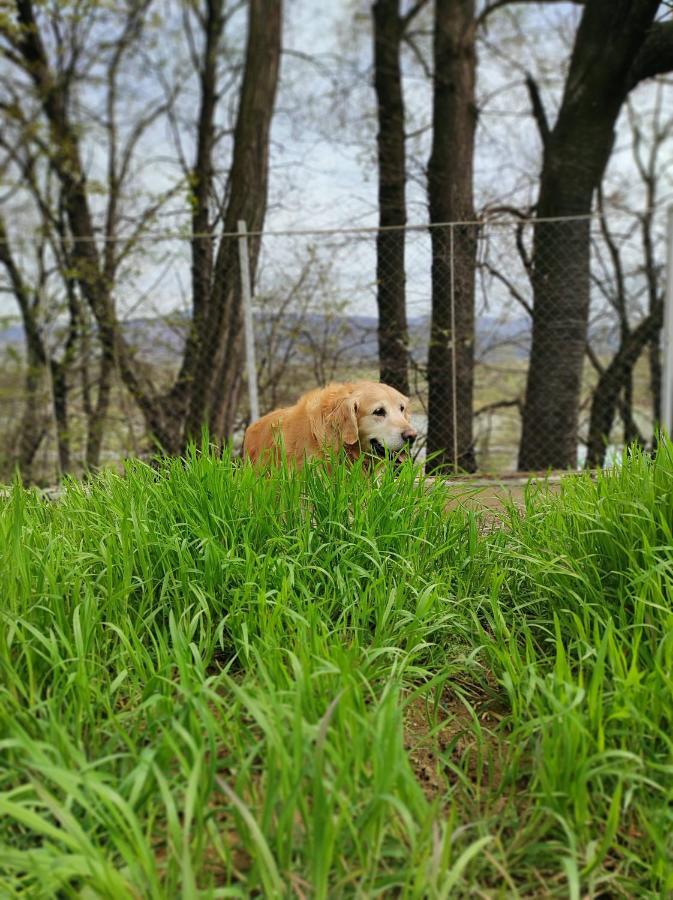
216 683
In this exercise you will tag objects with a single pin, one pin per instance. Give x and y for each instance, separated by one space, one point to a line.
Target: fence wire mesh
524 345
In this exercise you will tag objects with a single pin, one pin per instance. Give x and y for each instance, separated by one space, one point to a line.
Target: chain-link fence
524 345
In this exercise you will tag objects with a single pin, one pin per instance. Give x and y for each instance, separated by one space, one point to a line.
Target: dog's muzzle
383 452
377 448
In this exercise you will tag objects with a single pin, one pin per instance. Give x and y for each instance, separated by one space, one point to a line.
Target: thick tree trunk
218 370
576 151
450 193
560 320
201 245
390 273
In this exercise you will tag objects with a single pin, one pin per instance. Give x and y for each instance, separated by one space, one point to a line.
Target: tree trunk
60 372
98 414
201 245
626 410
217 372
450 194
35 421
655 302
390 274
575 153
59 382
560 320
616 377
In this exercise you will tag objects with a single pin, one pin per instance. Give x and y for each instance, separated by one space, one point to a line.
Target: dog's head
365 416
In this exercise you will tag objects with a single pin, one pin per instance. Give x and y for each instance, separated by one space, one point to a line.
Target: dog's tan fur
326 419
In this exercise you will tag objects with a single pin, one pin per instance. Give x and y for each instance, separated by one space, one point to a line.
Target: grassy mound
214 684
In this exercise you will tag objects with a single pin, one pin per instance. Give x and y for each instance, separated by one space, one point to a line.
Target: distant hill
160 339
11 336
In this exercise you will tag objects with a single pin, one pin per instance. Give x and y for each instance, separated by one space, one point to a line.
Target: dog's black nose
409 436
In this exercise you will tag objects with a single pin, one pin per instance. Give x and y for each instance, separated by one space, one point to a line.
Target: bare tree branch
411 14
499 404
539 113
655 56
511 287
410 41
490 8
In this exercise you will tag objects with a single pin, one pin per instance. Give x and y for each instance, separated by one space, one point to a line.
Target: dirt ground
492 495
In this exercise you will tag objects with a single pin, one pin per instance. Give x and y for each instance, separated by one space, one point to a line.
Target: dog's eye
401 409
379 412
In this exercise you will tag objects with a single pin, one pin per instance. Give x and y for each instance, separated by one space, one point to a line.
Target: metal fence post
667 335
246 296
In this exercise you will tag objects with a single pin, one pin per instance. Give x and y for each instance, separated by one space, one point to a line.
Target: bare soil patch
461 744
492 496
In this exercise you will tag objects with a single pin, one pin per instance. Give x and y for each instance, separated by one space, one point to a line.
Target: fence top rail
492 221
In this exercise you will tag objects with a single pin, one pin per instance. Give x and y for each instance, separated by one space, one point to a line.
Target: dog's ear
343 420
333 417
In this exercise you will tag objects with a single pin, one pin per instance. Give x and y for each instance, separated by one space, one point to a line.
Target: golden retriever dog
360 416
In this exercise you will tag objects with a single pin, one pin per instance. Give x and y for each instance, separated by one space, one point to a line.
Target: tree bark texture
217 347
390 240
450 195
35 419
612 51
98 414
